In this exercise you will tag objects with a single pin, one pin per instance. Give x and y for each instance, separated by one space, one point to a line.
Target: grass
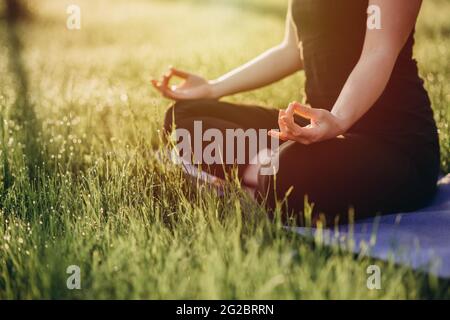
81 185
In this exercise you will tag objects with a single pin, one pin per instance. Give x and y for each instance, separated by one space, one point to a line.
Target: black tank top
332 34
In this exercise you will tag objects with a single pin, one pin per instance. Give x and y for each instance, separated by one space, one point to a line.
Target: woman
370 141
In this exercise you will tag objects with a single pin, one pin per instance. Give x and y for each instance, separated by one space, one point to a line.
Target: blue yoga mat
420 239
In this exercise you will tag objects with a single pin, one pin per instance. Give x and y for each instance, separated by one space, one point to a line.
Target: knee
168 119
171 116
180 110
265 192
270 186
275 194
288 187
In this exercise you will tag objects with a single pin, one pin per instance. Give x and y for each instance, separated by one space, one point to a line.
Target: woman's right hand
193 86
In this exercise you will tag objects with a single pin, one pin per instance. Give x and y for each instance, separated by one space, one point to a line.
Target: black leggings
357 171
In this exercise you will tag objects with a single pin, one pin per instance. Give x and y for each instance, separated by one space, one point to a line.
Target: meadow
81 185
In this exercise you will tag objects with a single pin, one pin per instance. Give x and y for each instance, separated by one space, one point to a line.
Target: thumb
180 73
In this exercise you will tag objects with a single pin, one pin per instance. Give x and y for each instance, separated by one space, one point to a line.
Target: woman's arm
381 49
271 66
367 81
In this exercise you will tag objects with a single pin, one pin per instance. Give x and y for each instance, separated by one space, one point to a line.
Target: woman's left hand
324 125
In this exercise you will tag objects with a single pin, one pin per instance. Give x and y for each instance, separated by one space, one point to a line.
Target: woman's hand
193 86
324 125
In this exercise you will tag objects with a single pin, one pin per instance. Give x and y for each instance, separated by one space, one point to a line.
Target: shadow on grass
22 111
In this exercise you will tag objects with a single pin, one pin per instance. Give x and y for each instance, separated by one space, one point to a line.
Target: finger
306 112
177 94
305 135
288 137
281 124
180 73
290 114
291 109
277 135
168 93
284 125
291 126
157 85
170 74
165 91
166 80
154 83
